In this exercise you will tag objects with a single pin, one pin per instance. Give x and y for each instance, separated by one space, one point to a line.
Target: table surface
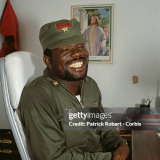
145 145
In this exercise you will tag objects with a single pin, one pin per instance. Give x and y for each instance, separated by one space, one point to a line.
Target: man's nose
75 52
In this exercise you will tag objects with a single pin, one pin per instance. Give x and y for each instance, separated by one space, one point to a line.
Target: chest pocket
74 137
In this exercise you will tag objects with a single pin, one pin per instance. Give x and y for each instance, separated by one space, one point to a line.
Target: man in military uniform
64 87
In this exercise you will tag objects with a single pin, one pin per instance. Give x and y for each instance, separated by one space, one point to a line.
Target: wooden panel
8 148
145 145
126 136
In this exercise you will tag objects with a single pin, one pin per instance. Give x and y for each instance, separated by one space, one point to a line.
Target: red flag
9 28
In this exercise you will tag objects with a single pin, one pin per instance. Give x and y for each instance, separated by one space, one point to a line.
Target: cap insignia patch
62 25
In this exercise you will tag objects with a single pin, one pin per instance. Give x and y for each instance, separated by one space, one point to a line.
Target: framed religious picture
97 27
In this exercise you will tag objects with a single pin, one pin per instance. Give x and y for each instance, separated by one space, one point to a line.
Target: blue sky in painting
104 13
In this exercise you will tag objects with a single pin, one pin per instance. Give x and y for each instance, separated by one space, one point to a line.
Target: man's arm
111 139
122 151
103 40
84 34
44 131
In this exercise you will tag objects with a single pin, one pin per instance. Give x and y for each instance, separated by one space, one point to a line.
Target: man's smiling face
70 62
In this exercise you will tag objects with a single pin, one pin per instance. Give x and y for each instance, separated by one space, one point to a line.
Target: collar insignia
55 83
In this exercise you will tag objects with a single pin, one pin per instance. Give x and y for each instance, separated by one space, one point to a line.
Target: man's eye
65 50
81 46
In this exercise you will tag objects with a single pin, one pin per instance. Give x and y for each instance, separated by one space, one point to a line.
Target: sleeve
103 39
84 34
44 132
109 138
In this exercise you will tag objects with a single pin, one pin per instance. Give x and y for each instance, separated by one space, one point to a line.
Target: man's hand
122 152
101 47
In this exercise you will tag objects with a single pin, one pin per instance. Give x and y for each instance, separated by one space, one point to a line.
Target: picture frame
97 27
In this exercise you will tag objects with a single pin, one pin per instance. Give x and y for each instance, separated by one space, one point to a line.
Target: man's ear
47 61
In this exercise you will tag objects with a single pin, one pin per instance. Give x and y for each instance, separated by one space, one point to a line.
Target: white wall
136 49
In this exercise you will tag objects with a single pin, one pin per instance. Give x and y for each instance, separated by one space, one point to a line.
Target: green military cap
60 33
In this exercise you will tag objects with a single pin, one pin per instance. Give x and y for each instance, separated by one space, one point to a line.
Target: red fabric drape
9 28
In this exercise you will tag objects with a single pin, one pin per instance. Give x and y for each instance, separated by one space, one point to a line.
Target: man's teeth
76 65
